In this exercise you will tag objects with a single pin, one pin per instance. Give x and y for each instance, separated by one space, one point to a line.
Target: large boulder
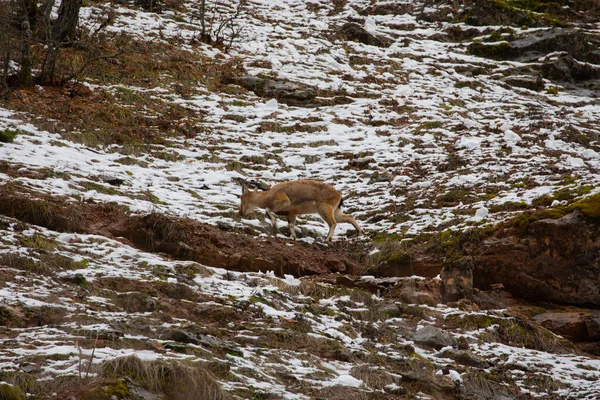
554 260
354 32
530 47
575 326
287 92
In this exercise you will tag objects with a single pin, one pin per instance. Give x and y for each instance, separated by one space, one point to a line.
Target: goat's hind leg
328 214
341 217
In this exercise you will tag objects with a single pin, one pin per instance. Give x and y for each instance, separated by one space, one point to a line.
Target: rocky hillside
463 134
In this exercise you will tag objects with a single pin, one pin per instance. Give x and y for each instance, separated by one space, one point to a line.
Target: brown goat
294 198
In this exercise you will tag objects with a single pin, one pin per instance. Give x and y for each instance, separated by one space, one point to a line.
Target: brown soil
183 238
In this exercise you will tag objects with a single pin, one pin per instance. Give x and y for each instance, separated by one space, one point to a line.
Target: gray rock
354 32
286 92
435 337
465 357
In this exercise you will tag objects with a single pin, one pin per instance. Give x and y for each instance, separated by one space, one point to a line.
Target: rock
286 92
565 68
465 357
457 280
592 348
435 337
401 265
354 32
556 260
530 47
374 285
417 291
570 325
535 83
592 325
491 300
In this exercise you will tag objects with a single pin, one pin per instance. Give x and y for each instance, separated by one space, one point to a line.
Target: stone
417 291
565 68
434 337
530 47
354 32
570 325
284 91
457 280
530 82
465 357
555 260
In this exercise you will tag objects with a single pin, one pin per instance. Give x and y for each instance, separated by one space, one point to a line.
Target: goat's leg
341 217
273 218
326 212
292 225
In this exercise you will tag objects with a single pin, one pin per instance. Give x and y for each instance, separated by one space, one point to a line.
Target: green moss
384 237
471 321
496 51
109 391
509 206
524 220
589 206
581 190
37 242
8 135
9 392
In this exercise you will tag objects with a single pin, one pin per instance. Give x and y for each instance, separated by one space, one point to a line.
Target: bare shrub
220 25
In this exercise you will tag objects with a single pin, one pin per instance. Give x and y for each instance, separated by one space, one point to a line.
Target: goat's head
248 198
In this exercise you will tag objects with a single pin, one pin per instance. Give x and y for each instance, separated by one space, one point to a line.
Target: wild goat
294 198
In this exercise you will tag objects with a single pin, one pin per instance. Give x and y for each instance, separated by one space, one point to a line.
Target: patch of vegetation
509 206
454 197
37 241
8 135
176 379
589 206
469 322
495 51
488 385
10 392
116 389
524 220
518 331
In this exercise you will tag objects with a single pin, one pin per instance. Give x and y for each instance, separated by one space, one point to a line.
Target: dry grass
374 377
176 379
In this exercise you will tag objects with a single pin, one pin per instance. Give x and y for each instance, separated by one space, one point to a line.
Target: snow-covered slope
420 144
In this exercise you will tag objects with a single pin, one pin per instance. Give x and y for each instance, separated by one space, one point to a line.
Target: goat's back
307 190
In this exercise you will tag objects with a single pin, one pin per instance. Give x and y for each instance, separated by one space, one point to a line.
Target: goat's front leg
273 218
292 225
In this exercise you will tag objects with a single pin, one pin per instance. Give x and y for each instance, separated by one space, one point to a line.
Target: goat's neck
261 199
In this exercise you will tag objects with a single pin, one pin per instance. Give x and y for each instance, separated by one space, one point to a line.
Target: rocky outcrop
576 326
457 280
532 46
291 93
354 32
554 260
482 13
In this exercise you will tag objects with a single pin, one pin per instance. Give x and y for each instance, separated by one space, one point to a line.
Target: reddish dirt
185 239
